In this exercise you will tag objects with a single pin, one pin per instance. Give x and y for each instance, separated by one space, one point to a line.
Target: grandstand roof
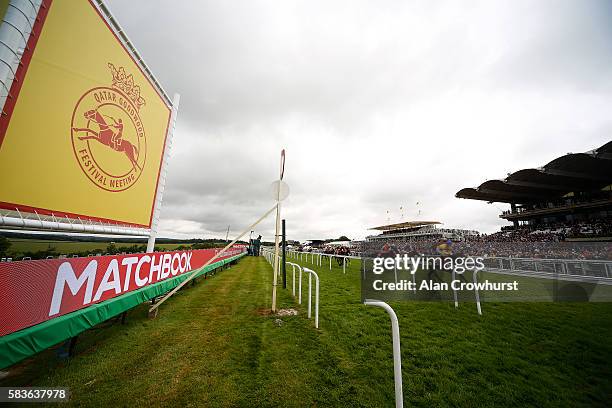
572 172
407 224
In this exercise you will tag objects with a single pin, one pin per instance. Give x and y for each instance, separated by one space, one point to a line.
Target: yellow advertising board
85 131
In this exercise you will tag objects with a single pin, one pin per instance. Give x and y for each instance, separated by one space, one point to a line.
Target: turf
20 246
214 345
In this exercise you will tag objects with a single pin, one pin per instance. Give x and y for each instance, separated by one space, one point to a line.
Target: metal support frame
15 30
397 355
51 223
162 174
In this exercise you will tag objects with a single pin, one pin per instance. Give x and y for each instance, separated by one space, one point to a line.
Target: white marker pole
276 237
162 175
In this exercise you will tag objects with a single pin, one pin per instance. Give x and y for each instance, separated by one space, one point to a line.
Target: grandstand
419 230
570 198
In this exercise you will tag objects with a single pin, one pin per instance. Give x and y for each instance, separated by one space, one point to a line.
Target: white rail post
293 274
397 355
455 291
344 264
309 293
300 286
476 291
310 274
330 258
316 299
293 278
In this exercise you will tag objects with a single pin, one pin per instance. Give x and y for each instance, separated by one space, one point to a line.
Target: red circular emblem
108 138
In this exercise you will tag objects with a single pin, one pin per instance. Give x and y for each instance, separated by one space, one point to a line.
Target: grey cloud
568 46
379 104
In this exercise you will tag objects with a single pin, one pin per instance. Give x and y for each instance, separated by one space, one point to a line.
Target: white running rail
397 355
313 273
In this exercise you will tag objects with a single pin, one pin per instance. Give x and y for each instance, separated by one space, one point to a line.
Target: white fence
269 255
592 271
316 258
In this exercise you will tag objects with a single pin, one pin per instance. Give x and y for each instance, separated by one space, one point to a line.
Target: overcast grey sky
380 104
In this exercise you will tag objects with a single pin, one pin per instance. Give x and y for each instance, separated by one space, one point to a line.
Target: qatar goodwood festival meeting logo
108 135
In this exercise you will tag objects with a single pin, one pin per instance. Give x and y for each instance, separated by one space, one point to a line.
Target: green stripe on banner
24 343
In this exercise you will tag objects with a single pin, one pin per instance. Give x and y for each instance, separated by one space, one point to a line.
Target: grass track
213 346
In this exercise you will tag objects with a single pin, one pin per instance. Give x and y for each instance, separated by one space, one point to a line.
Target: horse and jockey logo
108 135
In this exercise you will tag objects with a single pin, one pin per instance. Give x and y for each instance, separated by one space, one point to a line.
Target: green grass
21 246
213 345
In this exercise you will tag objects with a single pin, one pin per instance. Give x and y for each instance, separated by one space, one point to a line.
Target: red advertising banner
32 292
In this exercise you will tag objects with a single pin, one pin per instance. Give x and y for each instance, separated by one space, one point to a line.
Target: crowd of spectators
551 242
515 249
553 232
